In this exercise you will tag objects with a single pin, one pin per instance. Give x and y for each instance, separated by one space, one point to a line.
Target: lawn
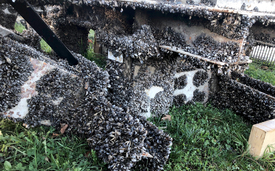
259 70
204 138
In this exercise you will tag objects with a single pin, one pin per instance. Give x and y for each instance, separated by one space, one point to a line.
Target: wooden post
262 135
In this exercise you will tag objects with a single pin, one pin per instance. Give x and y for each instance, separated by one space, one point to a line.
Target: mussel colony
244 96
77 96
205 61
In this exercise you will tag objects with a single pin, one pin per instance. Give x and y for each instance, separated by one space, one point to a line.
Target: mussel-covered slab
39 89
245 96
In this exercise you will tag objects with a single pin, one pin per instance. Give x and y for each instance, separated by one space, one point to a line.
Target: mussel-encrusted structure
54 93
159 54
248 97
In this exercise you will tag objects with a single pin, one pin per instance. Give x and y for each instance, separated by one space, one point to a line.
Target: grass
44 46
267 75
205 138
38 149
19 27
99 59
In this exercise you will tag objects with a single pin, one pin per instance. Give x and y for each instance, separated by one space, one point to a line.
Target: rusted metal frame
30 15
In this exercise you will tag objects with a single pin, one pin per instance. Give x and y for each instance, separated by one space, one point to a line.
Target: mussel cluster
232 26
120 91
200 78
31 38
168 36
179 100
77 96
180 82
14 71
203 45
265 37
73 36
140 45
198 96
243 99
114 22
262 86
207 47
7 16
130 92
157 73
107 106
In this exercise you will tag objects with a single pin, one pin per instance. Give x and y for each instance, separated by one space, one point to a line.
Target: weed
99 59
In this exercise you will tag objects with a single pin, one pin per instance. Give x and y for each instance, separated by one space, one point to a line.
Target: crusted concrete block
36 88
153 86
